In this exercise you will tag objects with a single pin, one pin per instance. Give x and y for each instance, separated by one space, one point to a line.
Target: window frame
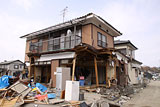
16 67
100 41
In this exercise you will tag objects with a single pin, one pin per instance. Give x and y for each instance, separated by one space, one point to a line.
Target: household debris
19 94
23 93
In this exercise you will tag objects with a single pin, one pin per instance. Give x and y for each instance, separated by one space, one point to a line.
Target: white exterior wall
132 73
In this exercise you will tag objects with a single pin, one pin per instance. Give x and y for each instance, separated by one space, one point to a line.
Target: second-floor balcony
55 44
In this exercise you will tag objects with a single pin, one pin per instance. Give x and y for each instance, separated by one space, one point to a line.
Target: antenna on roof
64 12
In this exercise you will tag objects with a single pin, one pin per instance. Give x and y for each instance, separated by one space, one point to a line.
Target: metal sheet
63 55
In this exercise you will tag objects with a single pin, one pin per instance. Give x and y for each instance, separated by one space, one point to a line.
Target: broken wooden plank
10 103
56 101
62 94
20 88
2 101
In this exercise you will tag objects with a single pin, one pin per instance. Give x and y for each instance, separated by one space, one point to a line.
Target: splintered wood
8 103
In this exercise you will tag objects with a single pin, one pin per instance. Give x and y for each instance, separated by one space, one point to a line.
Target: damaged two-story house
84 44
133 66
11 68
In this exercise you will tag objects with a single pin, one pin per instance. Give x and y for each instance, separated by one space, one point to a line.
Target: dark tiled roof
8 62
119 42
68 23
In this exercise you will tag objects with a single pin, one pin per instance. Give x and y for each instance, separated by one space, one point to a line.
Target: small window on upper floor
21 66
101 40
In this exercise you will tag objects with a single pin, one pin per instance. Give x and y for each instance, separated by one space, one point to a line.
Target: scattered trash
51 96
20 93
40 86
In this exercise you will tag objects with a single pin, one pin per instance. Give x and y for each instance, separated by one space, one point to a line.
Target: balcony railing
60 43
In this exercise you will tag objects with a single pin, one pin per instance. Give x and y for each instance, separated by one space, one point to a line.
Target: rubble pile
19 94
27 92
119 94
111 94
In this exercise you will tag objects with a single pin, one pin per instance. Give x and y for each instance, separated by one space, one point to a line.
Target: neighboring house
122 68
128 49
84 44
11 68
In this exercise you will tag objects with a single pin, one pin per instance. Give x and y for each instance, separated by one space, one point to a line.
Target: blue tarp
4 81
40 86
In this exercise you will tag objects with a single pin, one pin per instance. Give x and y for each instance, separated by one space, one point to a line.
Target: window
50 44
16 66
40 44
123 51
21 66
102 40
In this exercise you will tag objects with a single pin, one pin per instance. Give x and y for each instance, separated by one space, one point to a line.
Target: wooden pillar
106 73
34 72
73 68
29 71
96 71
54 65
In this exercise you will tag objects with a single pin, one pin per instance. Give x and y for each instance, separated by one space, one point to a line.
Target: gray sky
138 20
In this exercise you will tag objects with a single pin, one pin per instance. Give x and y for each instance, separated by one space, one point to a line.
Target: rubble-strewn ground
149 97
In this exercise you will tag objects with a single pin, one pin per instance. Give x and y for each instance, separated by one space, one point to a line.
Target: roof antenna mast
64 12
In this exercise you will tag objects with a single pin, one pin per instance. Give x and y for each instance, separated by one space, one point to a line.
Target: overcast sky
138 20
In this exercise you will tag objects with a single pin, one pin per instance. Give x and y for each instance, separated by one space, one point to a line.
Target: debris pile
119 94
111 94
20 93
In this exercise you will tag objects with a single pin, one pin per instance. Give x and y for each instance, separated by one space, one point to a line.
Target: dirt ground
149 97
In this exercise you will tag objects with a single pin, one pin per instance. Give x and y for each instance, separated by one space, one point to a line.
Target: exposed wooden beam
82 49
96 71
91 52
73 67
106 52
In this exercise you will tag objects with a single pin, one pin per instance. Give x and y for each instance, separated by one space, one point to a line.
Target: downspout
74 35
92 34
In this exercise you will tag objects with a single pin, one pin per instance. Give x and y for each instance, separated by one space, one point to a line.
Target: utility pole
64 12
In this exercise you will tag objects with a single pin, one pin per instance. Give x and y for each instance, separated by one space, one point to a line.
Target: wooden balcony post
96 71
